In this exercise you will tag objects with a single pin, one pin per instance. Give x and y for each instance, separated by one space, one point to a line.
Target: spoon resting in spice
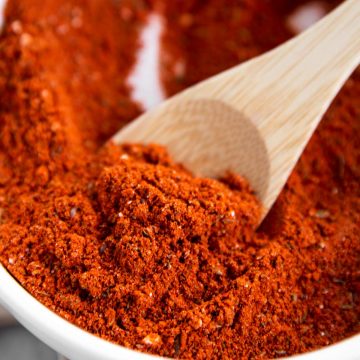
255 119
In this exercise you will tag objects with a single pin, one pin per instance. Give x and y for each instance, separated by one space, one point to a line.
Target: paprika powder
127 244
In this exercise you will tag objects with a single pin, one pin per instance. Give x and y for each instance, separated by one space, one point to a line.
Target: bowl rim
58 333
68 339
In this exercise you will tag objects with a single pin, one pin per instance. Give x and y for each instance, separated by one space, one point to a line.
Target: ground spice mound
127 244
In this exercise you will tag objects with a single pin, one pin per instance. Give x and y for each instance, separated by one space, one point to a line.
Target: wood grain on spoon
255 119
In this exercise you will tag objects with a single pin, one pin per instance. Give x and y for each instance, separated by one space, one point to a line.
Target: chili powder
127 244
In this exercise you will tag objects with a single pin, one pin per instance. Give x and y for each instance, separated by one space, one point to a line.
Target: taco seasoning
127 244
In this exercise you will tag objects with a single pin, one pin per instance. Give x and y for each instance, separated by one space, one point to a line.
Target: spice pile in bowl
126 243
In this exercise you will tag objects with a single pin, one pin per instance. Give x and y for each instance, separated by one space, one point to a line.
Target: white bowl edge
62 336
77 344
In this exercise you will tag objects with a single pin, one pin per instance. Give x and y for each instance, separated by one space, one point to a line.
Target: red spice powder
127 244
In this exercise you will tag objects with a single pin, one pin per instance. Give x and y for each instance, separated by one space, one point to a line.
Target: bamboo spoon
255 119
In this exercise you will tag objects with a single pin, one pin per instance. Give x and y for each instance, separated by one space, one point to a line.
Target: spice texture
126 243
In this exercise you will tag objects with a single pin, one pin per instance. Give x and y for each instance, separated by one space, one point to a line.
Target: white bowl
64 337
77 344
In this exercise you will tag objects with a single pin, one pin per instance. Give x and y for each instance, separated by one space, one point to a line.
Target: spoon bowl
209 150
257 118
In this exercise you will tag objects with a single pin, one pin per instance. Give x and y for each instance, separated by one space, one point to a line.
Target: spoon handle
292 86
307 72
256 118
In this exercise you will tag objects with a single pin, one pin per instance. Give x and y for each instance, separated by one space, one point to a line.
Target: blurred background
16 343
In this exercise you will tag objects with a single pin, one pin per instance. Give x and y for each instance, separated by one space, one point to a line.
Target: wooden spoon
255 119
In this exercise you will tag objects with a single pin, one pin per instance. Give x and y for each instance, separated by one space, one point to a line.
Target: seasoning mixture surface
127 244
